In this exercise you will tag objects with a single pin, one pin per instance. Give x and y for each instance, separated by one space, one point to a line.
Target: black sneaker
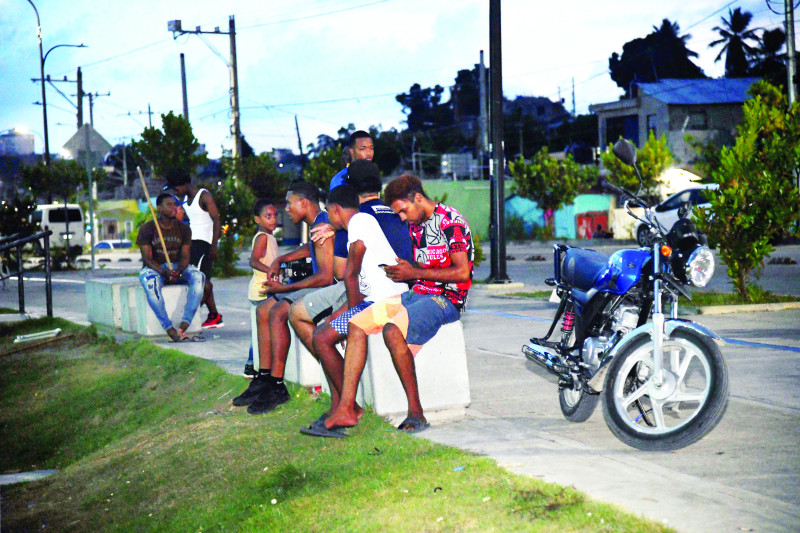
257 386
249 371
269 400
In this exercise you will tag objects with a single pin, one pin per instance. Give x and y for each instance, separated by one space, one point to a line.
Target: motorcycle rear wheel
687 406
577 405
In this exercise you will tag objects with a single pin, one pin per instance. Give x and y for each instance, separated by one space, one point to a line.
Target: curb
750 308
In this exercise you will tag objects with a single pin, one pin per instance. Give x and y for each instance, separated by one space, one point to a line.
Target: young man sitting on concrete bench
376 236
444 255
155 272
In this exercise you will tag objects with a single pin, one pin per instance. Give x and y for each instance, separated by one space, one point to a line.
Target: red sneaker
213 323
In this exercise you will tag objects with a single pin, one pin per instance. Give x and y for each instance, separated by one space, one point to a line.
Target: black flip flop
412 424
318 429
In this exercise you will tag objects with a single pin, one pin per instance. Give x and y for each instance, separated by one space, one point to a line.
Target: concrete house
703 108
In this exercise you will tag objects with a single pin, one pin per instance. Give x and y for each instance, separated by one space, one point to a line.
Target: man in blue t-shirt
267 389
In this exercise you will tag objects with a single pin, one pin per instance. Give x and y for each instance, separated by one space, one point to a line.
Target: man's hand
173 276
321 232
272 286
402 271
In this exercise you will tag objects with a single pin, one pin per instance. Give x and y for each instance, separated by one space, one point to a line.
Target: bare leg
281 336
325 339
302 325
404 365
208 298
355 357
264 338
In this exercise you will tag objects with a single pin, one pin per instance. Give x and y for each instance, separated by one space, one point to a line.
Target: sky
327 63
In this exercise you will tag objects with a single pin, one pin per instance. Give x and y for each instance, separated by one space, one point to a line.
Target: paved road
744 476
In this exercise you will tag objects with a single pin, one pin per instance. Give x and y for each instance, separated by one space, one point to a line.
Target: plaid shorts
340 322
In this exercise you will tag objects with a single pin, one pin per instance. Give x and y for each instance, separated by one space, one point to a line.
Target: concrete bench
120 302
442 376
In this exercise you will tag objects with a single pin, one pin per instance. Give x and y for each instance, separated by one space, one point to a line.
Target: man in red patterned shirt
444 255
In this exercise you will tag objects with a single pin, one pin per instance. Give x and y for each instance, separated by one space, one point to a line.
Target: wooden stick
34 345
155 219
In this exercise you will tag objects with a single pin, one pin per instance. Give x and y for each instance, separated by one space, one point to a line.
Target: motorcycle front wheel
577 405
682 409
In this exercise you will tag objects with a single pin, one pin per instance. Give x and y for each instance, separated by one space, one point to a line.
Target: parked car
667 211
113 244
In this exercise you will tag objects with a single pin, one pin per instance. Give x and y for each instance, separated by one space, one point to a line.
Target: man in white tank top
204 220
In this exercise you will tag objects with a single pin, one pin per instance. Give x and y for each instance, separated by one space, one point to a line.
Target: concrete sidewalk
745 475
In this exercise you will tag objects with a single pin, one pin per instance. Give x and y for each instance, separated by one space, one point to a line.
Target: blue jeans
153 282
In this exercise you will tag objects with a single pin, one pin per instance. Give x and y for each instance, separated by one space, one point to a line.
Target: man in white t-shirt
365 280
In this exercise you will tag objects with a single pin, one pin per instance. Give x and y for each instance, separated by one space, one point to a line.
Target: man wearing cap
204 220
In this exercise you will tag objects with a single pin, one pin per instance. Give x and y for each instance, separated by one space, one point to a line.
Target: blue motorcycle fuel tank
624 270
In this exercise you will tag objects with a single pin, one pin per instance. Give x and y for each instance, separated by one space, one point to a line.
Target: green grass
757 296
145 439
535 294
699 298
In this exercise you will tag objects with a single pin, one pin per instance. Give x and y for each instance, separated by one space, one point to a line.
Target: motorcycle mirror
625 151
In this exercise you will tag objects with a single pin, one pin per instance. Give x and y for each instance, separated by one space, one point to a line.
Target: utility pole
498 273
791 61
149 115
484 120
299 142
183 88
80 97
92 96
175 26
235 128
573 97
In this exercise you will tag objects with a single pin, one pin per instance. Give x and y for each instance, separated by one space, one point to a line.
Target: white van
55 217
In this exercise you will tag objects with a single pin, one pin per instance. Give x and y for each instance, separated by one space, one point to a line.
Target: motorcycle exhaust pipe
550 362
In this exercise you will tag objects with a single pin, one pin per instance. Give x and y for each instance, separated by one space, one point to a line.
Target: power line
332 12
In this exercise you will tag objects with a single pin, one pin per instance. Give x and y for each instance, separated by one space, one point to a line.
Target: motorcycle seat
580 267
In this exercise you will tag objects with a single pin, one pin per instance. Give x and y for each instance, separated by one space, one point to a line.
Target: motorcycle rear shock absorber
567 325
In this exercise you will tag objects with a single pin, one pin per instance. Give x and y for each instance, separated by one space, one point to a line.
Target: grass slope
145 439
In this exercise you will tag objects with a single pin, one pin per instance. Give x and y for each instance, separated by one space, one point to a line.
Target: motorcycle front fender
670 326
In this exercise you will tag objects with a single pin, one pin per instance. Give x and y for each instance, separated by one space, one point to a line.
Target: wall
565 223
471 198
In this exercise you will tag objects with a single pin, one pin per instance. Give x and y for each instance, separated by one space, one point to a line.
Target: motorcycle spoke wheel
652 413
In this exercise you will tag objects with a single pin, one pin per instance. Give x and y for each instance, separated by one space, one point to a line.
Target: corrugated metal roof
699 92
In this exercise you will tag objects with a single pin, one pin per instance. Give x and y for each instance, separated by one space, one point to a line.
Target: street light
41 72
42 59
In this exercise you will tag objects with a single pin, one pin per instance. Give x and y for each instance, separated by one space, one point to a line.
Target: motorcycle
662 379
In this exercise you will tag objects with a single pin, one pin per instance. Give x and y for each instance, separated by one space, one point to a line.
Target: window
57 215
651 125
697 120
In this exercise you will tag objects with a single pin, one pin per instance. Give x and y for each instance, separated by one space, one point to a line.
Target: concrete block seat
120 302
442 376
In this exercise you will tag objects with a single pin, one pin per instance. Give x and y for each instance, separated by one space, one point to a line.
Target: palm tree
768 62
734 35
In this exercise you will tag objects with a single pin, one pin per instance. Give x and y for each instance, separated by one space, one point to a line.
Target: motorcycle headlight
700 266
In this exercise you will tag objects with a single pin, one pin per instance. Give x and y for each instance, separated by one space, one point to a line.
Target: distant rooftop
700 91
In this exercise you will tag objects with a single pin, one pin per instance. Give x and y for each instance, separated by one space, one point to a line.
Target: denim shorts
418 316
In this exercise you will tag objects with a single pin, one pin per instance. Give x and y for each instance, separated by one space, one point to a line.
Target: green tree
734 36
235 201
661 54
322 168
551 183
174 146
652 159
15 214
261 174
758 178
